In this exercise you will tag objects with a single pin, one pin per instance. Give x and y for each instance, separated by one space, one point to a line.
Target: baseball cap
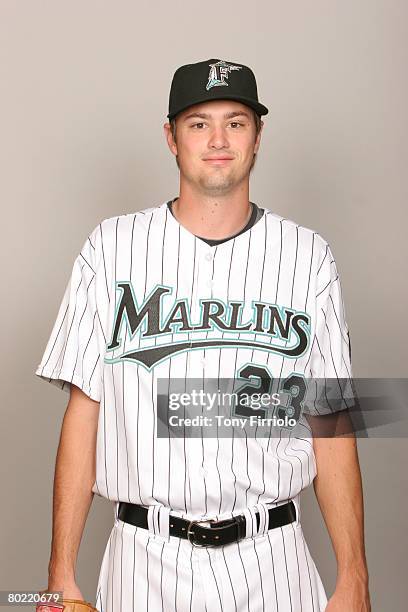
213 79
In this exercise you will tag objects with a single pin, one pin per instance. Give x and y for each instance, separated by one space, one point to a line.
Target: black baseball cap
213 79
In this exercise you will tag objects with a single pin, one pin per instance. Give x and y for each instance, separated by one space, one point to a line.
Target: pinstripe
153 437
46 359
308 573
112 565
152 377
72 320
192 579
137 373
94 369
334 363
104 263
324 373
215 578
86 347
300 466
236 355
302 450
161 575
121 569
328 284
323 260
185 376
233 435
330 346
296 361
229 576
286 569
337 319
218 441
125 432
288 496
176 570
260 574
280 259
104 445
134 569
268 358
291 296
243 567
308 281
117 433
253 351
273 571
147 574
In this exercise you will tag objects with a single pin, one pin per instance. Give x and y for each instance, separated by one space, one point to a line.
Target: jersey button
209 256
210 283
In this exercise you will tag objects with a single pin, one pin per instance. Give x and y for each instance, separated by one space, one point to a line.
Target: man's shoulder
104 236
140 216
291 228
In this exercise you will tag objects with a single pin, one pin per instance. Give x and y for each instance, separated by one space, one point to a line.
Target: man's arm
72 497
338 489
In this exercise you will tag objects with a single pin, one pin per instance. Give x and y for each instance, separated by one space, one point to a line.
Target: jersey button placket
206 265
204 450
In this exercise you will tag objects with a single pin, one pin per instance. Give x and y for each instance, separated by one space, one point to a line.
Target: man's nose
218 138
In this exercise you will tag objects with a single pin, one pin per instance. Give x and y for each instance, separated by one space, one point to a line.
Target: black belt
218 533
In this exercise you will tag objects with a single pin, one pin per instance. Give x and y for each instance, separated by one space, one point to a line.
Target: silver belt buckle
192 532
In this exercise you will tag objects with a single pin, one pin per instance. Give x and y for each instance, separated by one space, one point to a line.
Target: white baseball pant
148 570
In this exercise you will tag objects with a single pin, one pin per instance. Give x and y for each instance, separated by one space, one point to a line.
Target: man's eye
197 124
235 123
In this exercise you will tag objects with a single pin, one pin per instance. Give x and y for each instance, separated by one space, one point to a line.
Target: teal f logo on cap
219 73
209 80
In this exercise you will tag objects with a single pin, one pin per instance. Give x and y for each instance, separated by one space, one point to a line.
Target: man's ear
258 138
169 137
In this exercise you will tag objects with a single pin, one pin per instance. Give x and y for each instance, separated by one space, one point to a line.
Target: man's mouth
219 160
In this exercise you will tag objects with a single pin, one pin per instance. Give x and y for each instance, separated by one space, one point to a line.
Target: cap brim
259 108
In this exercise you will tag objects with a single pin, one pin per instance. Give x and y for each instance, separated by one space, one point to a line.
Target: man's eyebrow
198 115
236 114
229 115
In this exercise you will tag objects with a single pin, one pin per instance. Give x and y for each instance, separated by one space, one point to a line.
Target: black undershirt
255 216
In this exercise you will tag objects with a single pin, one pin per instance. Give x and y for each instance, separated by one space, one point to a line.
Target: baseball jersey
149 300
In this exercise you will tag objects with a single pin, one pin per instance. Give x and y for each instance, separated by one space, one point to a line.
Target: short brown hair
257 119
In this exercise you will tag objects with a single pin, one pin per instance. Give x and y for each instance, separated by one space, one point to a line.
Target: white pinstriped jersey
146 300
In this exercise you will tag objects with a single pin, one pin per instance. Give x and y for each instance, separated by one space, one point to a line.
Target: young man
207 286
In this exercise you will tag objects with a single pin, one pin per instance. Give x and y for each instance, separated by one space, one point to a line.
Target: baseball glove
67 605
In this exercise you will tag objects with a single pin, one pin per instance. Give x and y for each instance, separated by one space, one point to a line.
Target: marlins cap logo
219 72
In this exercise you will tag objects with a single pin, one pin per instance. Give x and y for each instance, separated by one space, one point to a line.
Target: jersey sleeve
73 352
331 387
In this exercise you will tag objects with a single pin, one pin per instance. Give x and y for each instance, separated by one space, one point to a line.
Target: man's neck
213 217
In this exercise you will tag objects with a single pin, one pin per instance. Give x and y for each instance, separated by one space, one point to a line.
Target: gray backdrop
84 97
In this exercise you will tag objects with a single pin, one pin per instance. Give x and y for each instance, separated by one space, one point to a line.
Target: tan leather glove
67 605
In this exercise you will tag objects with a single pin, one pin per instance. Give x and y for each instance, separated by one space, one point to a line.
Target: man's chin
218 183
217 188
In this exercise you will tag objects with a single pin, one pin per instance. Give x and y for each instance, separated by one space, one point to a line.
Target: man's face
215 145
